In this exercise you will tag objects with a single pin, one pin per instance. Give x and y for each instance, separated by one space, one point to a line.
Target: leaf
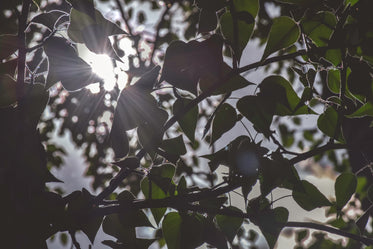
161 179
308 196
128 162
334 81
257 111
229 225
182 231
244 31
278 91
363 111
271 223
284 33
171 227
66 66
328 122
94 32
8 91
51 19
8 67
188 122
211 5
207 21
83 202
224 120
131 218
112 226
345 187
234 83
84 6
137 106
174 146
319 27
8 45
185 63
334 56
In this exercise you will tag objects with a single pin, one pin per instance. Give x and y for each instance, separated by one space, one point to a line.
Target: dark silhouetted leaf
8 90
185 63
224 120
188 122
8 45
271 223
284 32
229 225
328 123
207 21
234 83
66 66
174 146
51 19
309 197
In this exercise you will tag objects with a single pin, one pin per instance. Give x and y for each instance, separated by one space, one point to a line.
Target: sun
102 65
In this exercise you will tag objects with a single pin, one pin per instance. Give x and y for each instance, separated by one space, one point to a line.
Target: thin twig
124 17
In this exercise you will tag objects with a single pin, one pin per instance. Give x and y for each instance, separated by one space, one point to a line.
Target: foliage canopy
140 138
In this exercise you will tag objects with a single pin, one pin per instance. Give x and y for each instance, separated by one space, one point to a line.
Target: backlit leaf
284 33
66 66
188 122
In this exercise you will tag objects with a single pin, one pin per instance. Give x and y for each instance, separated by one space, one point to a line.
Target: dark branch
316 151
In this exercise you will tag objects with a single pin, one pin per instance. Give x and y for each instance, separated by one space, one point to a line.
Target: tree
320 50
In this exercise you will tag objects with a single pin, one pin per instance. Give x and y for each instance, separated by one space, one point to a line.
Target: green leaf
334 56
51 19
84 6
271 223
8 45
66 66
207 21
182 231
308 196
328 122
319 27
345 187
188 122
363 111
229 225
224 120
244 31
161 180
174 146
234 83
284 33
334 81
171 227
8 91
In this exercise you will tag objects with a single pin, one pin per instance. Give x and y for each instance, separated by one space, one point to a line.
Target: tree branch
365 240
124 17
315 151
